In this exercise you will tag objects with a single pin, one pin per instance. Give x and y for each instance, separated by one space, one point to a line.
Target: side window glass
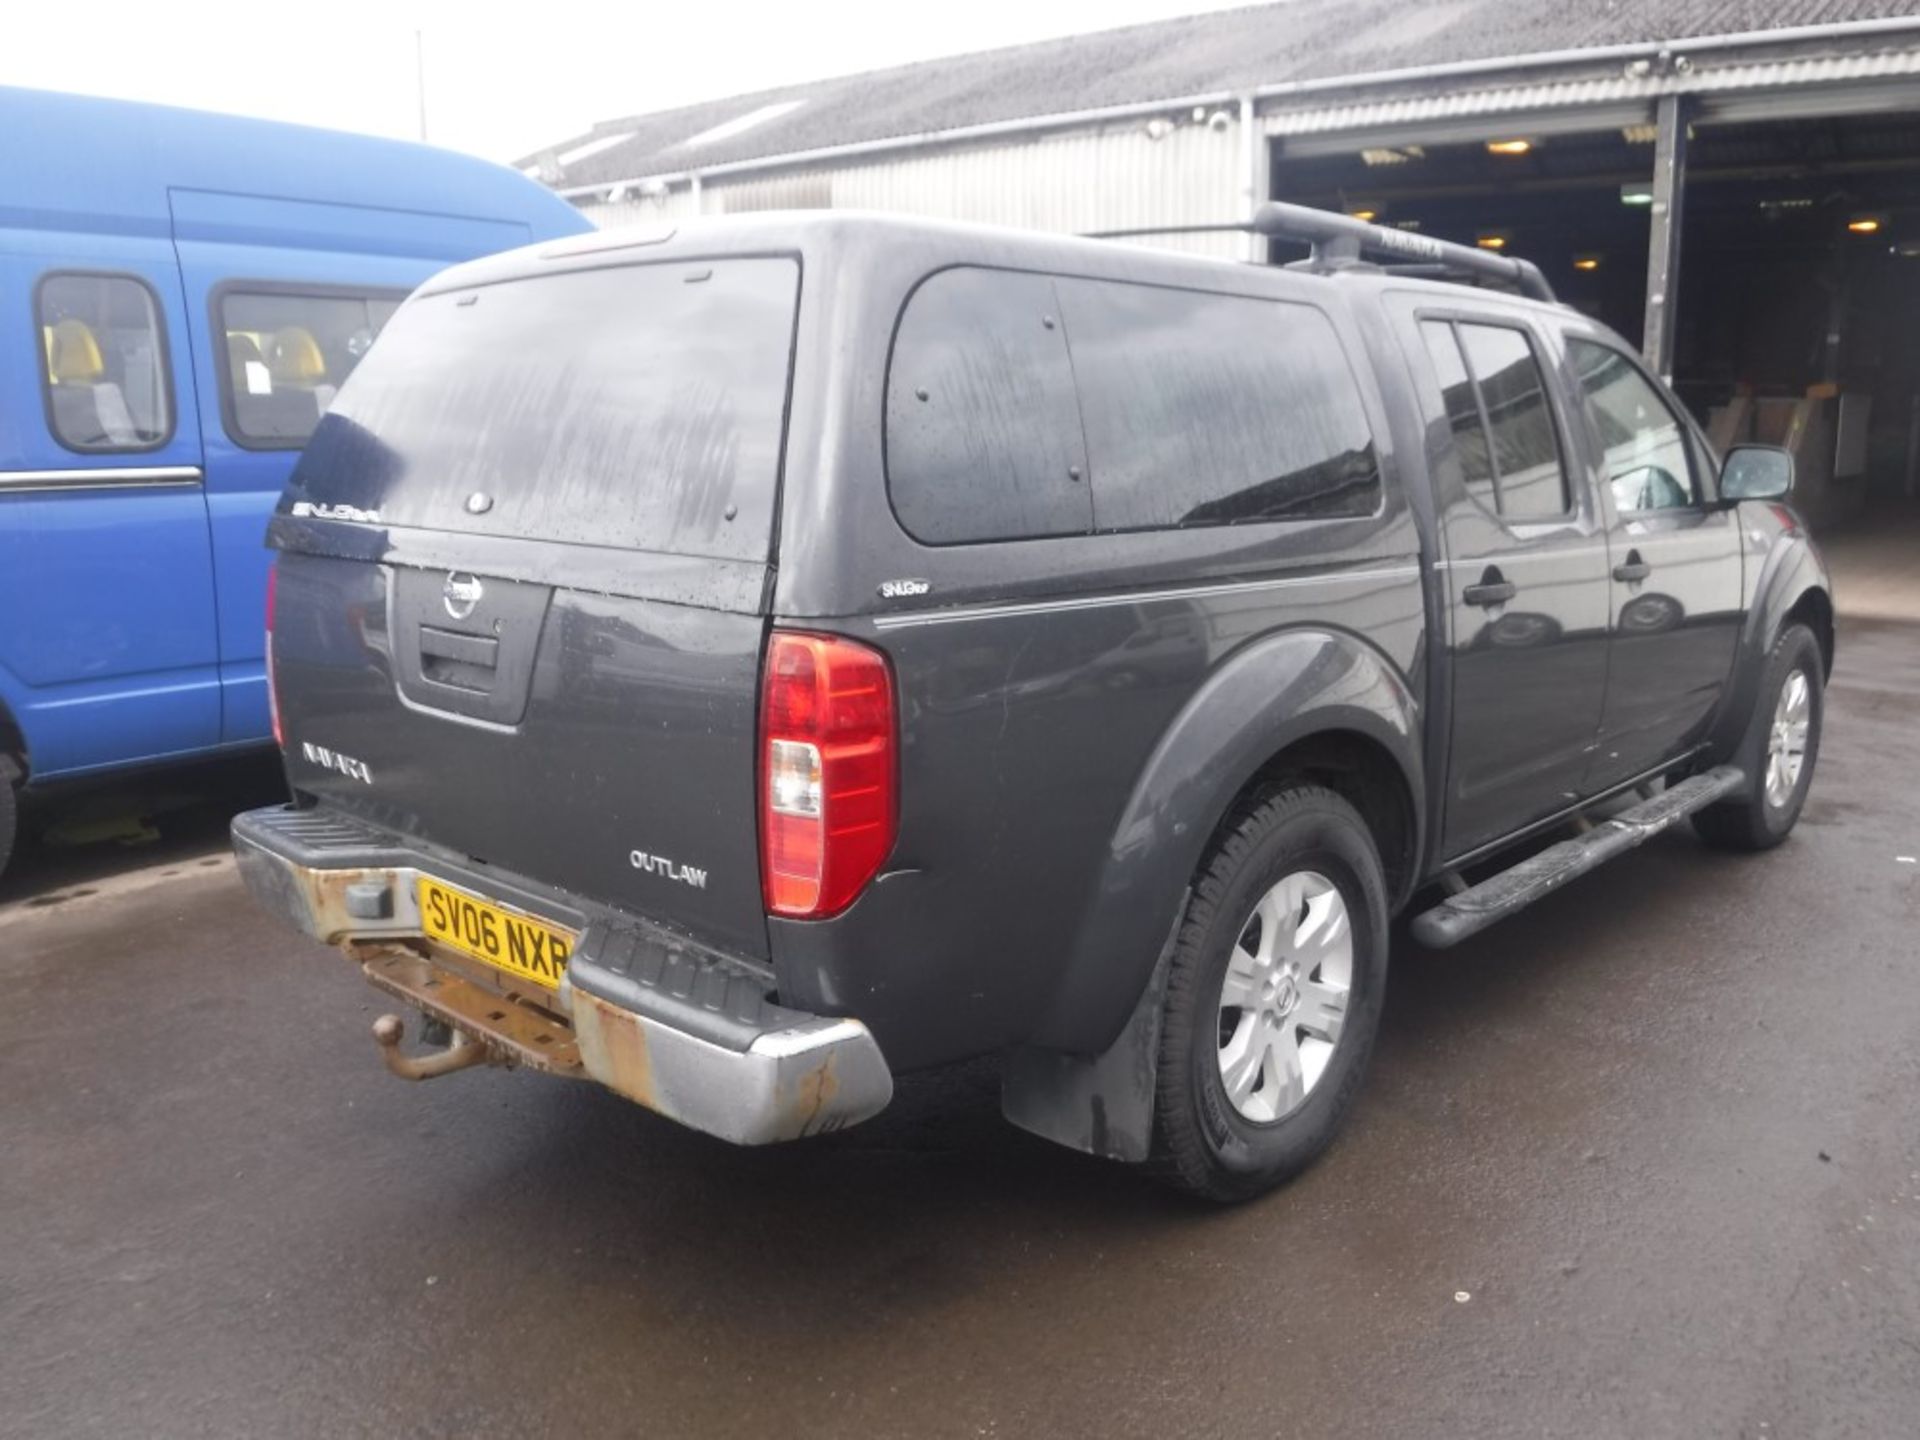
983 428
105 363
286 356
1463 410
1531 481
1205 409
1645 444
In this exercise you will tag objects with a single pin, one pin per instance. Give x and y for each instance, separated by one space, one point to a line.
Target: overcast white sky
501 79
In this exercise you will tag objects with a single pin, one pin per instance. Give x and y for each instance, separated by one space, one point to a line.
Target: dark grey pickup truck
739 665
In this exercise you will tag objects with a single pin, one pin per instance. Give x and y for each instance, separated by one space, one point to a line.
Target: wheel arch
1316 704
1793 588
1814 609
1103 1102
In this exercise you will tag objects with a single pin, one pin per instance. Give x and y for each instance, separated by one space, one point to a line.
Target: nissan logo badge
461 593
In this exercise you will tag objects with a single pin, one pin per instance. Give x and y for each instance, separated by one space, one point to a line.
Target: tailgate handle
481 650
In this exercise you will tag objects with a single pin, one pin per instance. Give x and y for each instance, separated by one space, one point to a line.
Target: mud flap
1100 1104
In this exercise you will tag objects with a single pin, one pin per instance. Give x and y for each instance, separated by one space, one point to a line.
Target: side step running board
1471 911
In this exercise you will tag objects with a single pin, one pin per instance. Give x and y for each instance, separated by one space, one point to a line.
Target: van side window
1529 478
983 432
1644 442
1205 409
105 360
286 355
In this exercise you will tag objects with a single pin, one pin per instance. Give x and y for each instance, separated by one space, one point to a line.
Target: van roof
108 165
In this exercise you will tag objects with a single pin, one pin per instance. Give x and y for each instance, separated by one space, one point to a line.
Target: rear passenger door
1675 563
1525 568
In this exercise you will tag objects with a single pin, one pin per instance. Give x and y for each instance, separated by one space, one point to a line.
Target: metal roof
1294 45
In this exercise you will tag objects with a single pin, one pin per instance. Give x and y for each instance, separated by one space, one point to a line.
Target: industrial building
1737 184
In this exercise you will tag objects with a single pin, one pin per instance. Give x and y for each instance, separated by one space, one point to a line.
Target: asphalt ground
1642 1161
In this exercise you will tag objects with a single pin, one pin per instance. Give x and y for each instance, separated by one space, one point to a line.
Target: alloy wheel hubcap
1283 1002
1787 739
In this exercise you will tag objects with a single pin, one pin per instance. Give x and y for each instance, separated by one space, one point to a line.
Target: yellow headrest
242 352
294 358
73 355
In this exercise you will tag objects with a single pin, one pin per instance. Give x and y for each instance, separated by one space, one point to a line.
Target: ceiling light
1866 224
1366 213
1491 239
1509 147
1586 262
1640 134
1641 194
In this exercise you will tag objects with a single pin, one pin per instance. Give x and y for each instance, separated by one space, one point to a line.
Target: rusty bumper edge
806 1079
803 1080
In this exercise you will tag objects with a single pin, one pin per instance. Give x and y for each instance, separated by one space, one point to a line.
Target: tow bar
465 1050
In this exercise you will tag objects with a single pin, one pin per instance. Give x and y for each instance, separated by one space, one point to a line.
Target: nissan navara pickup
744 663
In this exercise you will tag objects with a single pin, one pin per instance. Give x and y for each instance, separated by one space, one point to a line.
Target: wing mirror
1757 472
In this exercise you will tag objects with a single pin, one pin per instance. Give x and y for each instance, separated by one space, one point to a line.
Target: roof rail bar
1340 242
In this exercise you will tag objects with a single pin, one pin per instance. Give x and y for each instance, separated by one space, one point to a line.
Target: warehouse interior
1798 314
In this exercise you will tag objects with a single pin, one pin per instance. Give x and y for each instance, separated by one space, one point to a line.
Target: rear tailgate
522 590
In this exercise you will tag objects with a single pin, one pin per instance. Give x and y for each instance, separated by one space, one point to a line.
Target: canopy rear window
640 407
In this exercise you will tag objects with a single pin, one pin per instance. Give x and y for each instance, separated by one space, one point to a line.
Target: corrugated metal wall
1106 180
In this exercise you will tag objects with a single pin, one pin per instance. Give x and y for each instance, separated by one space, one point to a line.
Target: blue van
181 294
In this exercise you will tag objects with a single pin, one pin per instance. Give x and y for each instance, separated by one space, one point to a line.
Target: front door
1674 563
1525 580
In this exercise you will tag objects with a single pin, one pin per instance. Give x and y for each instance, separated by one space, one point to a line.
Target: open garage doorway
1798 313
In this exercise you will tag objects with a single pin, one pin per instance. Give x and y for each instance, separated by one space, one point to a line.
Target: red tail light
273 699
828 772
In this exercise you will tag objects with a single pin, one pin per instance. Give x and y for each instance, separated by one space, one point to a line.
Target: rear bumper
680 1029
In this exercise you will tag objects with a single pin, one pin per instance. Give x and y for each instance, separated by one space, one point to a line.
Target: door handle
1633 570
1492 590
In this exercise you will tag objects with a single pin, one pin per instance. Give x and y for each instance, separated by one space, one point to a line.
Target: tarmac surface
1643 1161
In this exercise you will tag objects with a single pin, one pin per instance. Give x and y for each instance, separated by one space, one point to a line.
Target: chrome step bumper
681 1029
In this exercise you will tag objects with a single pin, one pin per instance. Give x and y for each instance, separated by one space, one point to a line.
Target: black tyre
1778 751
1273 998
9 816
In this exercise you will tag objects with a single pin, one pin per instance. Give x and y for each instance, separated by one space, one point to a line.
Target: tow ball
463 1051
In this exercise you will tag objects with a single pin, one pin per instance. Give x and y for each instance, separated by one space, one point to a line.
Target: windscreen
640 406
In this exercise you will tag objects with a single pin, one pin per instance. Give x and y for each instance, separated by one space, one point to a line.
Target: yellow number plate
518 944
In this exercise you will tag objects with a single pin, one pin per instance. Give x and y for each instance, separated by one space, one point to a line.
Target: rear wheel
9 815
1273 997
1778 752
